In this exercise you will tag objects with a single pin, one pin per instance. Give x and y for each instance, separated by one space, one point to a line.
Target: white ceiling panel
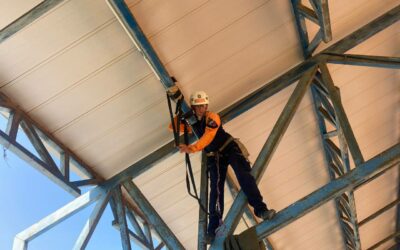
50 36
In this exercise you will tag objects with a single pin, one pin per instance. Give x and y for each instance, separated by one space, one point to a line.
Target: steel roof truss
42 142
21 239
337 160
320 16
91 223
121 218
45 164
269 89
152 217
331 190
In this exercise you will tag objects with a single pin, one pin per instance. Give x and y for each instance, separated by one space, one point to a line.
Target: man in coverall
221 150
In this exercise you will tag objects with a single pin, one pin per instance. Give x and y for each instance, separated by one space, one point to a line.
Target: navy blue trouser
233 156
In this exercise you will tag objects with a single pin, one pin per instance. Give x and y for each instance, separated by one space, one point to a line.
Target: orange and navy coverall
212 137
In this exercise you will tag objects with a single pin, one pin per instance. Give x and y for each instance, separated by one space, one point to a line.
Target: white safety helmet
199 98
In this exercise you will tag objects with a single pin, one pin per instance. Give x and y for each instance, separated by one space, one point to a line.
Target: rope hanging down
175 94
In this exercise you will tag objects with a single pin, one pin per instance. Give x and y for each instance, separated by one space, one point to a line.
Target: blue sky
27 196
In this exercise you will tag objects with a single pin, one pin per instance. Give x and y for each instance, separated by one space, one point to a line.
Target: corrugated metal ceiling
75 71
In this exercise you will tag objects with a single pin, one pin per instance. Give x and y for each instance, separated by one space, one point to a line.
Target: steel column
202 229
330 191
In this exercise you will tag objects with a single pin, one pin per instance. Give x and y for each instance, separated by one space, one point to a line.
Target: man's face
200 110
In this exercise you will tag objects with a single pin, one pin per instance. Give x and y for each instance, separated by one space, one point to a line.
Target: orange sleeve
212 124
181 126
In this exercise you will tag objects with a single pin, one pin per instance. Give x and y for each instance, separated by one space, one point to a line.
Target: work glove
175 93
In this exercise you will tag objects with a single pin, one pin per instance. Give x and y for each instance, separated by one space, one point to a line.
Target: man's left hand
184 148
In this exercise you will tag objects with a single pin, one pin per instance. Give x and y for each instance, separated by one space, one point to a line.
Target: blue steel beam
27 18
330 191
136 226
152 217
308 13
136 34
301 27
13 125
160 246
91 223
362 60
337 163
65 165
86 182
320 16
121 217
261 163
341 116
149 238
139 241
39 146
21 239
321 7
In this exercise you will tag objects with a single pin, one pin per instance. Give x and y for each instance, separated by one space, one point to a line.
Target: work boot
266 214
